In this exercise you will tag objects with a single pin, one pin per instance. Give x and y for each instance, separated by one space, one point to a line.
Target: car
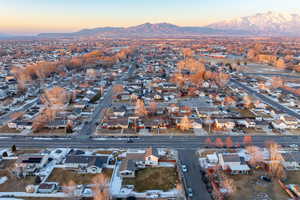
130 141
190 192
184 168
293 146
265 178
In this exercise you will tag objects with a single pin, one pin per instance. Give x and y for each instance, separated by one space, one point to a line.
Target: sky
27 17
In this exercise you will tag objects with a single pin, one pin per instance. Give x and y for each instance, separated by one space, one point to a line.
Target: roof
98 161
291 156
239 167
32 159
135 156
128 165
47 186
231 158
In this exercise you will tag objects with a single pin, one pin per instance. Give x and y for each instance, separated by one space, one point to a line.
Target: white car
184 168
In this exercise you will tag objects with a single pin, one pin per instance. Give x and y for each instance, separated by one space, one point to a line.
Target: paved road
272 74
186 147
266 99
6 117
193 176
90 126
177 142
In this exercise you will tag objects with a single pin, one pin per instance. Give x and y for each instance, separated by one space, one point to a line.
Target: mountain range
4 35
261 24
270 23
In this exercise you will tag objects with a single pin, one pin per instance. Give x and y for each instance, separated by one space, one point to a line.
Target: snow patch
3 179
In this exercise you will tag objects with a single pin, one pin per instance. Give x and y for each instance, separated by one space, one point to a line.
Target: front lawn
63 176
159 178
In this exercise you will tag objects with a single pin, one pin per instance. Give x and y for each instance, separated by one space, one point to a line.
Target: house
138 160
291 160
119 111
131 163
226 124
151 157
247 123
49 187
58 123
86 163
28 165
234 163
120 123
128 168
291 122
197 124
279 124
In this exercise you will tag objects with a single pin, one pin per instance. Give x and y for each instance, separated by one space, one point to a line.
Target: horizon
33 17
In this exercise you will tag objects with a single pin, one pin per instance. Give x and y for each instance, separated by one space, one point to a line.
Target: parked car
184 168
265 178
190 192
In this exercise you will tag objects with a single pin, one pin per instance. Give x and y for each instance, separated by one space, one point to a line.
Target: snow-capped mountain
270 23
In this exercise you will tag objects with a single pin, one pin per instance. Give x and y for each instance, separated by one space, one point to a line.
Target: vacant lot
63 176
5 129
14 184
161 178
249 187
46 131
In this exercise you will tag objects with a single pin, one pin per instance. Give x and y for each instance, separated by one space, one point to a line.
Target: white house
247 123
291 160
151 158
224 124
279 124
85 163
234 163
291 122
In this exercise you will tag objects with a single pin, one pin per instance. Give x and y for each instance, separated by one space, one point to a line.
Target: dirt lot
250 186
13 184
26 151
63 176
162 178
5 129
46 131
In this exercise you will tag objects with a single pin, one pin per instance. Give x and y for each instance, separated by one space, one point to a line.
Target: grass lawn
13 184
254 131
245 112
175 131
63 176
57 131
26 151
104 152
294 131
5 129
159 178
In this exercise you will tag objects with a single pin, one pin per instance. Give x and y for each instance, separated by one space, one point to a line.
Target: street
266 99
90 127
193 176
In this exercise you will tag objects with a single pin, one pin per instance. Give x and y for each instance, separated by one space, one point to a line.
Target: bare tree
229 142
275 167
219 142
140 109
185 124
101 187
256 155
